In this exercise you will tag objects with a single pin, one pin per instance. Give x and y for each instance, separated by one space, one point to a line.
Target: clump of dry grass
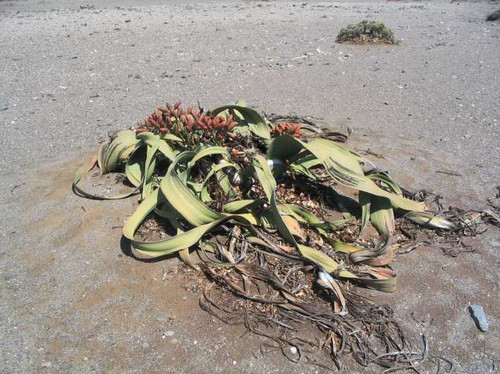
366 32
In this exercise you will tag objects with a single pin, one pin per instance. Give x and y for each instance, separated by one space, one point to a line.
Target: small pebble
477 313
293 350
46 364
167 334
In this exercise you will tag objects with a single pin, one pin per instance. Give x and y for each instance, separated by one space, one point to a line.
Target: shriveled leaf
384 279
294 227
373 257
326 281
431 220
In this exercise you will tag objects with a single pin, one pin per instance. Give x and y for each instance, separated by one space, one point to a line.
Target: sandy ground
73 302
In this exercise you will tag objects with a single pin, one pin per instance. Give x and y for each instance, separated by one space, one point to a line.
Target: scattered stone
3 106
477 314
167 334
46 364
293 350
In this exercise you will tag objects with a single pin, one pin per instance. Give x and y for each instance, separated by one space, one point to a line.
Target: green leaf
386 182
326 150
319 258
283 148
382 216
364 202
344 167
268 183
242 205
208 151
135 166
118 150
84 169
181 197
171 137
253 119
344 247
149 166
82 172
101 153
174 244
216 168
305 216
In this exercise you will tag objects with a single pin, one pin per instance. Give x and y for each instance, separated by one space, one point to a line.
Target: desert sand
74 71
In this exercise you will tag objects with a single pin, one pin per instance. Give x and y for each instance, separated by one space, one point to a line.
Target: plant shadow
127 250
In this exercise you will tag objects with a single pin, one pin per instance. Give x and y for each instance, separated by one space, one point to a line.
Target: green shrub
366 32
494 16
